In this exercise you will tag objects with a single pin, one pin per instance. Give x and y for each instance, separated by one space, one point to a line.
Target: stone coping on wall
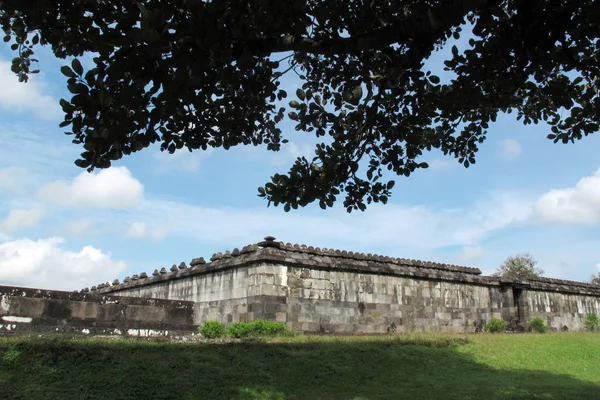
270 250
562 285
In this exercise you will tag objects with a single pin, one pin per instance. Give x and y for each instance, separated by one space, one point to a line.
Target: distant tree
519 267
196 74
595 279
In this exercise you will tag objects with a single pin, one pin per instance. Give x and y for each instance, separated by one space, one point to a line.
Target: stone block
84 310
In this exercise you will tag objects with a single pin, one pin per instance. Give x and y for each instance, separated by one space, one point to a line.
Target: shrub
538 325
592 322
495 325
258 328
212 329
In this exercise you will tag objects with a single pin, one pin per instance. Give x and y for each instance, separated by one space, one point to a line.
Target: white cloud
12 180
42 153
397 227
290 151
19 219
113 188
470 254
442 164
26 97
579 204
510 149
498 211
79 226
44 264
139 230
598 266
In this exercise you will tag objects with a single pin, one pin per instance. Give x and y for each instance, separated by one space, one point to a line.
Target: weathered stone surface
25 310
345 292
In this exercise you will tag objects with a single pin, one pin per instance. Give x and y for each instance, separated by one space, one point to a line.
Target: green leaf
68 72
301 95
77 88
77 67
434 79
357 94
66 106
83 163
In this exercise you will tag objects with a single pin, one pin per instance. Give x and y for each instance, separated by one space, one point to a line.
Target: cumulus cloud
19 219
45 264
113 188
139 230
26 97
579 204
510 149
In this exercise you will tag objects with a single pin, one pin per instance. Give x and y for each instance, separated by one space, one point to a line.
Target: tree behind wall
519 267
595 279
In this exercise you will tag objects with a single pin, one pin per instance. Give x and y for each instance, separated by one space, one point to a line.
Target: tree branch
426 24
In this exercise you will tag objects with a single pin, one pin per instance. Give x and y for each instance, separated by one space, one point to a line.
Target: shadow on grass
322 370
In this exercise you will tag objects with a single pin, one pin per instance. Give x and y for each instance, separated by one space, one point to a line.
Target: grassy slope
553 366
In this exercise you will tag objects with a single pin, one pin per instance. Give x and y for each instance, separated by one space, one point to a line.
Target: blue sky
63 228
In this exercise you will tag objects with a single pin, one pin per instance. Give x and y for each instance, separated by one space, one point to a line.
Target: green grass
499 366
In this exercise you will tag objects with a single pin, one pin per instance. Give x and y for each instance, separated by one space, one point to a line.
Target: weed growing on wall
592 322
495 325
212 330
538 325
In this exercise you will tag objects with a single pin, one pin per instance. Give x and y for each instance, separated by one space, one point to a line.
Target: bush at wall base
212 330
538 325
495 325
258 328
592 322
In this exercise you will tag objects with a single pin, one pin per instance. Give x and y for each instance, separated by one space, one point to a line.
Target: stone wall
221 295
26 310
347 302
561 309
322 290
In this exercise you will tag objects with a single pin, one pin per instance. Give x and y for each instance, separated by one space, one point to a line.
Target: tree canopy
519 267
199 74
595 279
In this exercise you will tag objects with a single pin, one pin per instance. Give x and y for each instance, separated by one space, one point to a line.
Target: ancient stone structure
25 310
331 291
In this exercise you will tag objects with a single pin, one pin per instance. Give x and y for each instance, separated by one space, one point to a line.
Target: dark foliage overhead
199 74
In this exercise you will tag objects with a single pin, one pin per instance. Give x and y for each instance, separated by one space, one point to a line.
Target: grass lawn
503 366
